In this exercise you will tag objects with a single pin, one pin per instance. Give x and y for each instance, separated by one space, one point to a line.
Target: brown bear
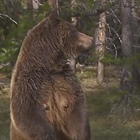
47 102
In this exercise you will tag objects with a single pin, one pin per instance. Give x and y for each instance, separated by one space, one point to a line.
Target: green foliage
110 60
12 35
135 59
107 125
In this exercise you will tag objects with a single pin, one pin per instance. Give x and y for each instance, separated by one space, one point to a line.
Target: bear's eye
65 106
46 107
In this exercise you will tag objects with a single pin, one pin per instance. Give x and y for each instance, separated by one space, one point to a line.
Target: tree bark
126 82
126 12
125 106
74 22
33 4
100 43
54 5
29 5
136 69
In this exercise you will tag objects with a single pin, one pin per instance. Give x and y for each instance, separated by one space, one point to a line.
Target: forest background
109 74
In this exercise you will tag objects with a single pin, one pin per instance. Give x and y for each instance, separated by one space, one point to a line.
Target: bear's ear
54 17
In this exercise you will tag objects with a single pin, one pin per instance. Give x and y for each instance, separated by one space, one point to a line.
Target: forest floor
109 118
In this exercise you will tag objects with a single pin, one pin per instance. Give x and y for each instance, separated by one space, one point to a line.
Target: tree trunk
100 43
54 5
35 4
127 83
29 5
126 78
125 106
136 69
126 28
72 64
74 22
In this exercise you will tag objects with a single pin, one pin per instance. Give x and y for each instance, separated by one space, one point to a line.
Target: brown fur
47 102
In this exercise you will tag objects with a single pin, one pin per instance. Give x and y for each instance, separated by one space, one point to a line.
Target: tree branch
4 15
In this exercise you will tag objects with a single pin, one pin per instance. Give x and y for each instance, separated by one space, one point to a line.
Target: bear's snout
84 41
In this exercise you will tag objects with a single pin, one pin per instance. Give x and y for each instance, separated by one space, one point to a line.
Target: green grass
110 126
109 118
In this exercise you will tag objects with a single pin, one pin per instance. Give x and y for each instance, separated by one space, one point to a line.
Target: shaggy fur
47 102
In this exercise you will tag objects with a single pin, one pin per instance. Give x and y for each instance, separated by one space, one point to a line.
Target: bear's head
72 42
50 43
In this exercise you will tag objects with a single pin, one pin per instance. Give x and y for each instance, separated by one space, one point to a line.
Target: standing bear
47 102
